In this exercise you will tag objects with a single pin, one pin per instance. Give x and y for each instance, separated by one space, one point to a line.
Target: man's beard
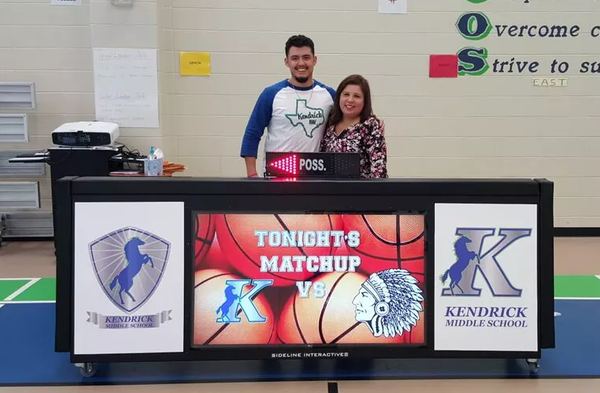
302 79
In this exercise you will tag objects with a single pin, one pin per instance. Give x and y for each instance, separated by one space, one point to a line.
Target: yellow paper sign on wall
194 63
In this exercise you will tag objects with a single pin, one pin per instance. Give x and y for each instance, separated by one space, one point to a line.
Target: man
294 111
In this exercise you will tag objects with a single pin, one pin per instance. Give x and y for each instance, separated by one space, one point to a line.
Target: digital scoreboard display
302 165
316 279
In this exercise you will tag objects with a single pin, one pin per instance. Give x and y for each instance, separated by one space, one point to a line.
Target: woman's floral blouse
365 138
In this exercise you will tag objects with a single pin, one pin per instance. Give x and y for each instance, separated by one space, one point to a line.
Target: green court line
577 286
43 290
8 287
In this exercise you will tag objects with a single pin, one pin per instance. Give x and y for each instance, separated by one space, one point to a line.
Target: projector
86 133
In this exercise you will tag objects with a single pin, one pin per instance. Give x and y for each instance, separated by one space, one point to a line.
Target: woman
353 128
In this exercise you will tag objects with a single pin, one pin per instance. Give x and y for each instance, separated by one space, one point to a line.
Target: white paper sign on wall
393 6
486 277
65 2
126 86
129 275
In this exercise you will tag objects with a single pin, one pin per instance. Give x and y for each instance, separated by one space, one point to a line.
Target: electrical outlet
121 3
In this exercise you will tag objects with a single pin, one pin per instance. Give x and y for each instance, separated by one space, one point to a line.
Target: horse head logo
129 264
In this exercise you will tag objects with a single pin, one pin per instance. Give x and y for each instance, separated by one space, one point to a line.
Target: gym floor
28 362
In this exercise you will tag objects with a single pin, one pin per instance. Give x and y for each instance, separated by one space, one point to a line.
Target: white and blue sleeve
259 120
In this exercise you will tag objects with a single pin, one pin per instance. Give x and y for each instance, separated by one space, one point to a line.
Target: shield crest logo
129 264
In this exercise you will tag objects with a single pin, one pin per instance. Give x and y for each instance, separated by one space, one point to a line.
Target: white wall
494 125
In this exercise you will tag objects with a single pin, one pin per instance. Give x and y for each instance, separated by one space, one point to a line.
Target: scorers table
171 269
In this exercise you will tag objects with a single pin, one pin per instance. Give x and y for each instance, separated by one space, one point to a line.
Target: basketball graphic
210 296
417 334
389 241
381 302
275 340
204 225
332 318
237 238
215 258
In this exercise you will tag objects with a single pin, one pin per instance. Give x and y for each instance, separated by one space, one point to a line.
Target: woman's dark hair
336 113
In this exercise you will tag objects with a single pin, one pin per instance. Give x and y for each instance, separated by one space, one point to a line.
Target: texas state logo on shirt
295 118
306 117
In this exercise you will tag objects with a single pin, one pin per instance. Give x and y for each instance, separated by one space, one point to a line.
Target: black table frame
262 195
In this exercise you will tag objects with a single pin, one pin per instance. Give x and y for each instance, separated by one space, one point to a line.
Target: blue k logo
472 260
235 302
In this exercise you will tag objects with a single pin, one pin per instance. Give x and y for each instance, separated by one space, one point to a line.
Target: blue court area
28 357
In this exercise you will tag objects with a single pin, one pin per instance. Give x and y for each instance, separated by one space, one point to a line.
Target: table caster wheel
87 369
534 365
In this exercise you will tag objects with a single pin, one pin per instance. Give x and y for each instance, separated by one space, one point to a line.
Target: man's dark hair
299 41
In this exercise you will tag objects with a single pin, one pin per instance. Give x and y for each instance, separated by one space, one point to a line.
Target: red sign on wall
443 66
